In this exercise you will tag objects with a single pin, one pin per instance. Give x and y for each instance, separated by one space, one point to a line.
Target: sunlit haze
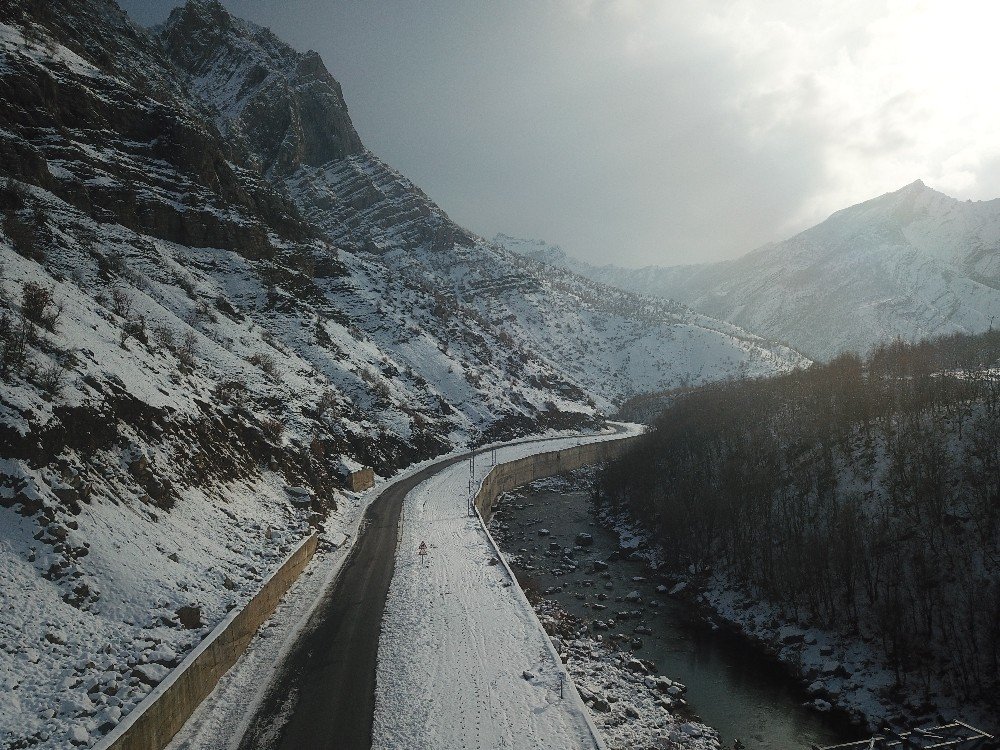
641 131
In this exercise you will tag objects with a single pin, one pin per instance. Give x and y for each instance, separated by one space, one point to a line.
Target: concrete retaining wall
152 723
506 477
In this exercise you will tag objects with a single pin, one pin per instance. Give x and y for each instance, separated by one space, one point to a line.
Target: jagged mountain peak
208 6
915 215
283 107
206 25
915 189
910 203
211 21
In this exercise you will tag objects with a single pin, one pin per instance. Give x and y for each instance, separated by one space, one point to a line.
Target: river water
732 686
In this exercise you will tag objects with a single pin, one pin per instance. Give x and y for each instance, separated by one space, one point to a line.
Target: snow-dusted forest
859 496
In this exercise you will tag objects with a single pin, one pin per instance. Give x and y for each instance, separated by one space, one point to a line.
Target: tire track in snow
456 639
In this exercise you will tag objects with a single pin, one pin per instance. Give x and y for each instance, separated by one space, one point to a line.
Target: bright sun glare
902 91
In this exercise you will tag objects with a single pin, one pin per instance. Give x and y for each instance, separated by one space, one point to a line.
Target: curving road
323 695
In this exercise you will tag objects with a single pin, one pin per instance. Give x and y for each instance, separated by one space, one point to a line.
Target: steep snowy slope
912 264
613 344
178 347
210 290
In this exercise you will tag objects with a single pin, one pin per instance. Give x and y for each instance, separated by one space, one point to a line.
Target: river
732 686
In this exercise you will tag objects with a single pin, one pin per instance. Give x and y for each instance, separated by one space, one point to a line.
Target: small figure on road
422 551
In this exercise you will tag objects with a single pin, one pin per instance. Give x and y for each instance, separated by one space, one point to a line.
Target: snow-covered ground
222 717
68 674
463 661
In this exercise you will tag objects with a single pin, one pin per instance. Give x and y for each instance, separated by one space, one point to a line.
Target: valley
739 691
229 330
910 264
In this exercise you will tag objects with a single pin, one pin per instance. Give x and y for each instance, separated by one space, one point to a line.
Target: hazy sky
659 131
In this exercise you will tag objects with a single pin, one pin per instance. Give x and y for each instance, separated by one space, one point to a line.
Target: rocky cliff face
125 143
611 343
281 106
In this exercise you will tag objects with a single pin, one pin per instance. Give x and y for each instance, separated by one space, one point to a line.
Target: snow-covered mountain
912 264
612 344
210 290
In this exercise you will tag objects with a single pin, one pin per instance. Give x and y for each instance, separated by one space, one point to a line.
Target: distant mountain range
911 264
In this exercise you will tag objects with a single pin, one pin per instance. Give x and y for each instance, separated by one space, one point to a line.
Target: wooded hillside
862 495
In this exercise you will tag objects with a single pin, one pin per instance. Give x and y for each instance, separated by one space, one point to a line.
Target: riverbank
840 673
624 605
631 704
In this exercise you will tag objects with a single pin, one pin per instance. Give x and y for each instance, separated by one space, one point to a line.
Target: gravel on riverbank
632 705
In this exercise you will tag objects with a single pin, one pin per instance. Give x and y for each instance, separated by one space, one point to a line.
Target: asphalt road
323 695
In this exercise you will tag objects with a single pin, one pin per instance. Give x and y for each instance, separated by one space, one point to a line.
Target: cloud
893 91
661 131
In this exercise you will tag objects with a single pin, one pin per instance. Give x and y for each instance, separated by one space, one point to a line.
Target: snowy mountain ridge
912 264
363 204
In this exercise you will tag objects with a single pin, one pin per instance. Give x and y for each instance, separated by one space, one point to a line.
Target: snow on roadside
463 661
69 674
224 714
